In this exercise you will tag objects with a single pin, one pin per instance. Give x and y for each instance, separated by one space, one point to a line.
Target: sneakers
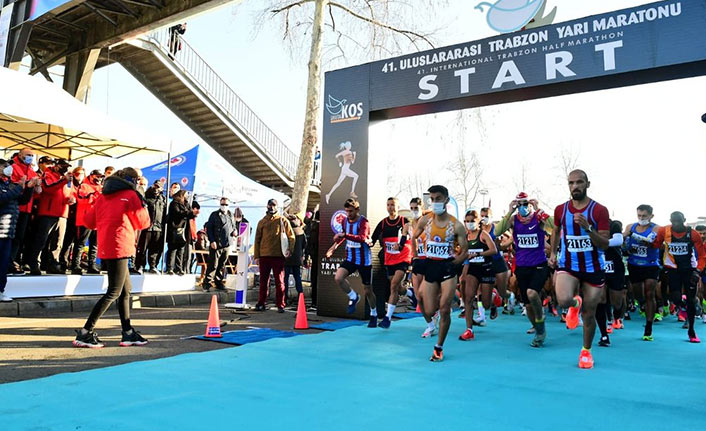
373 323
609 329
479 322
627 316
132 339
532 330
572 317
694 339
352 303
493 313
497 300
412 298
538 340
5 298
259 307
89 339
618 324
658 317
437 355
585 359
467 335
152 271
430 331
648 338
604 342
384 323
682 316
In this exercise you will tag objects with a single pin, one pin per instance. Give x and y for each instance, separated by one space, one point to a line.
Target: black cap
45 159
62 162
272 202
96 172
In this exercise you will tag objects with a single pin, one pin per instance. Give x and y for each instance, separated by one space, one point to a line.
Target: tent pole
166 224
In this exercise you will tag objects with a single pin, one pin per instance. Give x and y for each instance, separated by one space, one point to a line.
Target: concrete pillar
78 71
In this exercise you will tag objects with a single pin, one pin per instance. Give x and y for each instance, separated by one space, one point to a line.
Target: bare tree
465 168
568 159
338 28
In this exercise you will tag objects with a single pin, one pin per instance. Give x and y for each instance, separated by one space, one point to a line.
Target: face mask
471 225
224 208
523 210
438 207
643 222
29 160
485 220
271 210
415 214
7 171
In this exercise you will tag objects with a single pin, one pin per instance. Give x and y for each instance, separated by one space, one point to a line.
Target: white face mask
643 222
438 207
7 171
485 220
224 208
415 214
471 225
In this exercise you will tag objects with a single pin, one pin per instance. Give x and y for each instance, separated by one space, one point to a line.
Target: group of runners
570 262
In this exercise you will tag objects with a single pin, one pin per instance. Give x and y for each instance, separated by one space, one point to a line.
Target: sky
641 144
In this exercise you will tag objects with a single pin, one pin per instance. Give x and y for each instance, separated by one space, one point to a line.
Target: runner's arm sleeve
405 236
376 233
616 240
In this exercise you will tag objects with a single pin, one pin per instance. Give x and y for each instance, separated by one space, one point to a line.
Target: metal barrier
191 62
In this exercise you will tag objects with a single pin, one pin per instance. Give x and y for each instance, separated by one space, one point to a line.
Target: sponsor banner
649 36
183 169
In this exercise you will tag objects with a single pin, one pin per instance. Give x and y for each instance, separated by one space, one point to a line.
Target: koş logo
337 220
505 16
176 161
341 111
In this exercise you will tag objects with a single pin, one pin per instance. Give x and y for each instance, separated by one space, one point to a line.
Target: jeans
84 234
296 271
5 251
215 267
119 287
276 266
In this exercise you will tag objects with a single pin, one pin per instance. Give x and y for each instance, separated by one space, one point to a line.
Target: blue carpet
337 324
248 336
360 378
407 315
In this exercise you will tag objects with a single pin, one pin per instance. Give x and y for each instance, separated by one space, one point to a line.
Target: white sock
431 324
390 310
374 312
352 295
410 292
481 312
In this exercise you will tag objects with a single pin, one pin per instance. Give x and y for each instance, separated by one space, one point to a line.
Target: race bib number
352 244
477 259
639 250
609 267
390 247
679 248
438 250
420 250
578 243
527 241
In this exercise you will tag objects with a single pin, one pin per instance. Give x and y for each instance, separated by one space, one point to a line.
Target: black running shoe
132 339
89 339
605 341
493 313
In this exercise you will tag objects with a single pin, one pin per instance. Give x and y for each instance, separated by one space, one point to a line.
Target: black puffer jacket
11 197
157 207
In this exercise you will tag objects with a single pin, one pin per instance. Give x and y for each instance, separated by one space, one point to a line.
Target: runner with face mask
445 248
643 264
528 223
418 265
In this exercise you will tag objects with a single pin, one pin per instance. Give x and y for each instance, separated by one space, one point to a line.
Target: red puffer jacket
87 195
117 214
54 201
19 170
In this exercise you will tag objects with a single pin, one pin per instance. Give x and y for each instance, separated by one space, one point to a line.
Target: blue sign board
183 170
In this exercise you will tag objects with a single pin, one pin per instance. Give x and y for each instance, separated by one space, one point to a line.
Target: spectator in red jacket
52 212
22 167
87 195
78 174
117 215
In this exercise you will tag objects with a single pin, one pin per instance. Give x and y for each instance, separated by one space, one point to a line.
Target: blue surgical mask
523 210
438 207
28 160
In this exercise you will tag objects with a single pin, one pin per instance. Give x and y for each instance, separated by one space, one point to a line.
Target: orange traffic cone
301 322
213 329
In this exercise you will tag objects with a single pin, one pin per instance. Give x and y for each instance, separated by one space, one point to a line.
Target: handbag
179 236
283 239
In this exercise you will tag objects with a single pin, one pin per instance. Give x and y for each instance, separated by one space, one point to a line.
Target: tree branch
411 35
289 6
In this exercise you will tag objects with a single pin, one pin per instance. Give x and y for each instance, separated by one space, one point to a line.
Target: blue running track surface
362 378
247 336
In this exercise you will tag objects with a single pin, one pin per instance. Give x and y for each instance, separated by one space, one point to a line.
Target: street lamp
484 193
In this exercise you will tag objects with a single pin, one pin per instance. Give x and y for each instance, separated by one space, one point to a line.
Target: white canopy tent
37 114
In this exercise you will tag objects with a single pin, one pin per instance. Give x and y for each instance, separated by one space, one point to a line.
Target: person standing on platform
150 246
22 167
117 215
293 264
177 220
269 256
78 175
220 229
12 195
87 195
191 234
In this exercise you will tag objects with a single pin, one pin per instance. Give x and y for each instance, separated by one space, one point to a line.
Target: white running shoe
430 331
8 298
524 310
703 318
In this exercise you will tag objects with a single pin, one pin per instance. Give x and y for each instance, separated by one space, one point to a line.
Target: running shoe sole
132 343
77 343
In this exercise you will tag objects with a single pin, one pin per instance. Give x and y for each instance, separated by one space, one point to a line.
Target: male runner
476 270
531 270
615 280
643 263
581 228
418 264
498 265
683 269
445 248
356 233
392 234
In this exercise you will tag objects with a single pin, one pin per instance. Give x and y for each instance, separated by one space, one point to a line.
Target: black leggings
683 280
119 287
